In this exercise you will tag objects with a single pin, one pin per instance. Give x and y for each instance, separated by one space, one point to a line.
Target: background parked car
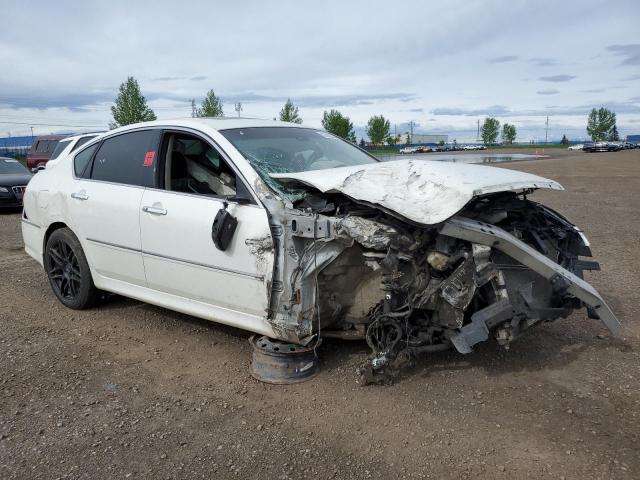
578 146
406 150
41 150
602 147
70 144
13 181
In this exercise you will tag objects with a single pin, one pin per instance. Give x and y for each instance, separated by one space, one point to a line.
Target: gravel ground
129 390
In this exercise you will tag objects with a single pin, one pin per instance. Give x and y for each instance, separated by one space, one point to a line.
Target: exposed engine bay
499 267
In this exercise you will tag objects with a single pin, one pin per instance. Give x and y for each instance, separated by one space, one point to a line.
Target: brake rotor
282 363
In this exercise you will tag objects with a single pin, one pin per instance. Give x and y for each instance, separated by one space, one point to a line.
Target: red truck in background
41 150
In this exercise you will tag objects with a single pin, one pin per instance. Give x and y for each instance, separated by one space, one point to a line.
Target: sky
441 65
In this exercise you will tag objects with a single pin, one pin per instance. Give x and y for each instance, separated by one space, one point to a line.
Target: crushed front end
500 266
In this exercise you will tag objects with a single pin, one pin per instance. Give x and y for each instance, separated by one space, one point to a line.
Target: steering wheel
272 156
301 164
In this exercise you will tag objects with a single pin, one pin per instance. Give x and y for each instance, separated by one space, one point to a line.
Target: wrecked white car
295 234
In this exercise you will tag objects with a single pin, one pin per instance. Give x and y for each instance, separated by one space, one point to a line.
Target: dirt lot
129 390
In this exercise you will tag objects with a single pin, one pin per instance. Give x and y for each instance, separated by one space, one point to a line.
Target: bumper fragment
495 237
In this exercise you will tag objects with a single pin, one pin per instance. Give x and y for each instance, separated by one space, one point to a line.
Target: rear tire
68 271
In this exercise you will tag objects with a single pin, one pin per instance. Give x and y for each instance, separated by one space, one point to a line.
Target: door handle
154 210
80 196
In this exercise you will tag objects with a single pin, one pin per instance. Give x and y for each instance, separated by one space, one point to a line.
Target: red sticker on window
148 158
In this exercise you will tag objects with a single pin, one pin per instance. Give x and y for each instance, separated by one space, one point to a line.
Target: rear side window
61 146
82 141
129 158
81 162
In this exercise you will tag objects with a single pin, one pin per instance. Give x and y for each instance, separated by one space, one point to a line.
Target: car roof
216 123
50 137
83 135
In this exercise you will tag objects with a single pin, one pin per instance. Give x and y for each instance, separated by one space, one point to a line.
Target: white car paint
576 147
165 256
426 192
166 260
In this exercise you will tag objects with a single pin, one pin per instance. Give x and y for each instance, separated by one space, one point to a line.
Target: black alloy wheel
64 271
68 271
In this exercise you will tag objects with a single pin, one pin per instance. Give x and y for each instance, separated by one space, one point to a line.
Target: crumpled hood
423 191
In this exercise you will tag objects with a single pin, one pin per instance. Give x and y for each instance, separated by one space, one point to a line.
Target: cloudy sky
442 65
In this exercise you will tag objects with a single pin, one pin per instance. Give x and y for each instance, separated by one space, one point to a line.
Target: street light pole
546 131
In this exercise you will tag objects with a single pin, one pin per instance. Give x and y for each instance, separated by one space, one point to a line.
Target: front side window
128 158
191 165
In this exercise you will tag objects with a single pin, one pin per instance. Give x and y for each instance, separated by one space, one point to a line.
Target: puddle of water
466 157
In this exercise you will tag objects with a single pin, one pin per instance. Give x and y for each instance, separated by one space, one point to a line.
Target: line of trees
130 106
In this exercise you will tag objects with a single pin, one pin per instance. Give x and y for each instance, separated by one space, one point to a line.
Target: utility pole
546 132
478 135
411 132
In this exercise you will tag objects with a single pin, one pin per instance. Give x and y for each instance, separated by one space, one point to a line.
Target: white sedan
294 233
578 146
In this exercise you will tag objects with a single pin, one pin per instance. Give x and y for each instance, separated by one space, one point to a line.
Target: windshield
10 166
292 149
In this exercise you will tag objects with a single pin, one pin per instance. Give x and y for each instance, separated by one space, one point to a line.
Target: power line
52 125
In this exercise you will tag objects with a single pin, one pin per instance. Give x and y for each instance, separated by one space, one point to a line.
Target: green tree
613 135
334 122
600 124
211 106
378 129
564 141
289 113
391 140
508 133
489 131
130 105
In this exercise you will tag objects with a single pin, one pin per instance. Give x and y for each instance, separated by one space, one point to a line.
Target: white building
419 138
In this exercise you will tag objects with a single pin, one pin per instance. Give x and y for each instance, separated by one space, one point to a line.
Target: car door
109 181
179 254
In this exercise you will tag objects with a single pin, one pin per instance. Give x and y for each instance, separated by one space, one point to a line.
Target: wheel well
52 228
